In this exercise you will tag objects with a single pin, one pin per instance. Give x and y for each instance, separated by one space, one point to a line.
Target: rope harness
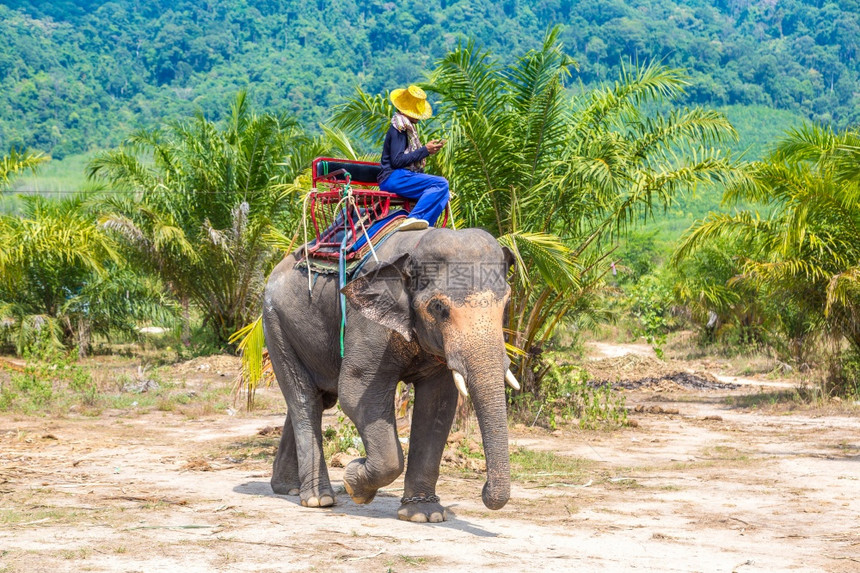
346 205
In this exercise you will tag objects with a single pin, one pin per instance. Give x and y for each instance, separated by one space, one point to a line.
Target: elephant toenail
418 518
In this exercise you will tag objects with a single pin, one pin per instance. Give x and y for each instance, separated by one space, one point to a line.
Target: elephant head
449 295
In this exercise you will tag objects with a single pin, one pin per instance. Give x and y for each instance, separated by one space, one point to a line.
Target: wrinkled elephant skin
433 305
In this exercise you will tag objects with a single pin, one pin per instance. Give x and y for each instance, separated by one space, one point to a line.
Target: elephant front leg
432 416
371 408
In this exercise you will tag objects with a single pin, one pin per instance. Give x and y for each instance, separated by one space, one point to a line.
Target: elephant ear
510 257
381 295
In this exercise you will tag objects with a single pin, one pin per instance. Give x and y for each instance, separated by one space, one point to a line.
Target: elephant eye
438 308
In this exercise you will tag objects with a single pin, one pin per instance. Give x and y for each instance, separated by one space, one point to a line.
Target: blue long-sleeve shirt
394 154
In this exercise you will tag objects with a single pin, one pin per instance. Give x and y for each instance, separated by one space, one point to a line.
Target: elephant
428 311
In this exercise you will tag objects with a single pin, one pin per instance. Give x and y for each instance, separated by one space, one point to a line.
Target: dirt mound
270 431
627 367
465 453
197 465
633 371
218 364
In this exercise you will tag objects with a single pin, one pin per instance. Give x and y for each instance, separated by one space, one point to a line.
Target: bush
42 383
343 437
844 376
567 394
650 301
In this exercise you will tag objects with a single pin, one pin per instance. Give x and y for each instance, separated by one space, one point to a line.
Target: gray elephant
430 313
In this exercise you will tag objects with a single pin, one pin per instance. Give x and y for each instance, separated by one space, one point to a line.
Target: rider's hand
434 146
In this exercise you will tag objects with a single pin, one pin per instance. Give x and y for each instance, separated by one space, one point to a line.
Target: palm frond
250 342
697 125
468 81
18 161
538 101
650 83
365 115
544 254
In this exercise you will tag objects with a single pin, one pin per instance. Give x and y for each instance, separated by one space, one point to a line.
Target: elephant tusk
460 382
511 380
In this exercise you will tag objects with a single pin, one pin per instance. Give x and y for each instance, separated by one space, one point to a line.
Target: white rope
367 238
350 203
305 228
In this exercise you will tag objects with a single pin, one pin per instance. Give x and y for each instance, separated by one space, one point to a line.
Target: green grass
544 467
726 453
45 389
23 516
759 128
253 448
57 175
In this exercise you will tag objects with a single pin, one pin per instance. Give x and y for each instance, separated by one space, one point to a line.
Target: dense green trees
193 214
77 75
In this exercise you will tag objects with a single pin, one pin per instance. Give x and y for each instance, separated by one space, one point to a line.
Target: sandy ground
698 485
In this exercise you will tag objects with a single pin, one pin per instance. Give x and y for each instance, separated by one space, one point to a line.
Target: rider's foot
413 224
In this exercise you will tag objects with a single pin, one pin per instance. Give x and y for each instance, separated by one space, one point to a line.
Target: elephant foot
421 509
283 488
322 500
350 481
321 496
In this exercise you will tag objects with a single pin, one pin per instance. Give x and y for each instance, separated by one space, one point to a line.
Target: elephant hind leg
299 463
285 470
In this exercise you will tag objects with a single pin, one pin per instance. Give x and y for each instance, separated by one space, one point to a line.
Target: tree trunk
83 331
186 322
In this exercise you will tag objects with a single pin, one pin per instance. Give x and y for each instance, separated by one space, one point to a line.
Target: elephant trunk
488 397
474 345
485 379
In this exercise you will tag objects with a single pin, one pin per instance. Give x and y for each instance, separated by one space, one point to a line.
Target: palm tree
201 202
555 177
803 251
64 280
704 285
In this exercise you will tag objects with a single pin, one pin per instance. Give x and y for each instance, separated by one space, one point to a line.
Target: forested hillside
81 74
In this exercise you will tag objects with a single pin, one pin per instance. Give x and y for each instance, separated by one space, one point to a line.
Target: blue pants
430 191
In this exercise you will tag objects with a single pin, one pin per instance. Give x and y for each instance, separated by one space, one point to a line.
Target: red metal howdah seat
333 217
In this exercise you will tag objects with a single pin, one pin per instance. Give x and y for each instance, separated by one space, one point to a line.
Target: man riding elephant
403 160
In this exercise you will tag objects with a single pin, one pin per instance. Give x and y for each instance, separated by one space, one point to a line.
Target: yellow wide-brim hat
412 101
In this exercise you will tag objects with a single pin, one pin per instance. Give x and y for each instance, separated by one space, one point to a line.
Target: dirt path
699 485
